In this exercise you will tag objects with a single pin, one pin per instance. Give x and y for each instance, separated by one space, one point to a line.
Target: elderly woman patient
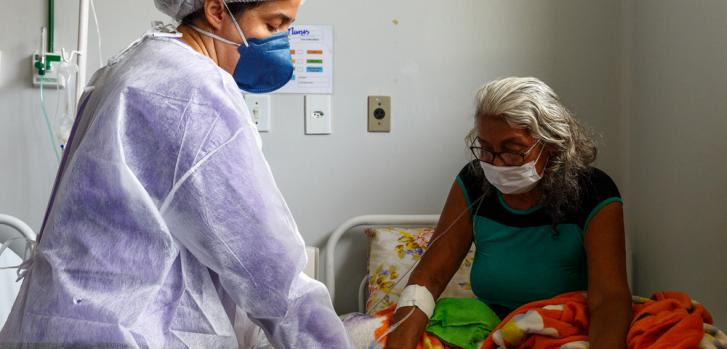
543 220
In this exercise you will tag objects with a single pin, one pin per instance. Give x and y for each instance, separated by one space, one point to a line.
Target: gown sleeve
225 208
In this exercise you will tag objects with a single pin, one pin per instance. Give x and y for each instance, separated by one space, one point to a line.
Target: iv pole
82 47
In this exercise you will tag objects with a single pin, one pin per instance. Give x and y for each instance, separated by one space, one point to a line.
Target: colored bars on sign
307 61
310 52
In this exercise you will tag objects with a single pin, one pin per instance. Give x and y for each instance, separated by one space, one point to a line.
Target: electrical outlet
379 114
318 115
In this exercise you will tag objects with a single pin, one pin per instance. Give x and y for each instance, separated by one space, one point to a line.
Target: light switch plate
259 106
311 269
379 115
318 116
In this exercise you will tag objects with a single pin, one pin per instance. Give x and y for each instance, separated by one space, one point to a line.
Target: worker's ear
214 12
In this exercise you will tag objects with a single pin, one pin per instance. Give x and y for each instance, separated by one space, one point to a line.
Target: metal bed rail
368 220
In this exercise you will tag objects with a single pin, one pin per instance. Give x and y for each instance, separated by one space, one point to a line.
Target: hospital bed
348 227
395 243
365 323
14 234
361 285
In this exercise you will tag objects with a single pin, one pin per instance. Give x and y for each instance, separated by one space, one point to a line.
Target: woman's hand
409 333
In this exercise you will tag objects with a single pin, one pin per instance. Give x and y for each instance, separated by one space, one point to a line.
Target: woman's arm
609 298
437 267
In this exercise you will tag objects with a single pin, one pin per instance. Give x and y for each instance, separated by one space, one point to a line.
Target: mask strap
541 153
237 25
214 36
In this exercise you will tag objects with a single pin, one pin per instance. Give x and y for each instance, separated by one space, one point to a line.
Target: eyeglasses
508 158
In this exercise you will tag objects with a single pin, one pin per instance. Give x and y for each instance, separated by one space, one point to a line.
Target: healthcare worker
165 216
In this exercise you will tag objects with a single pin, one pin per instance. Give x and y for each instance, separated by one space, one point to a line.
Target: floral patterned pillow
392 252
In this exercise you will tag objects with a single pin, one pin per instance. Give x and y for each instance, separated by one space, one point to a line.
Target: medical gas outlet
45 66
379 118
45 63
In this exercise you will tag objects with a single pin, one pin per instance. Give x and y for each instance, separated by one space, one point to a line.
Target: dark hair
237 9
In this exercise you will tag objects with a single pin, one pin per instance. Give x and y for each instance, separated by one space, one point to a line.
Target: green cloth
462 322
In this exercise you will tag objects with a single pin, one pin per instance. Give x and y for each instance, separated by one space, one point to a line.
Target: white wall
676 169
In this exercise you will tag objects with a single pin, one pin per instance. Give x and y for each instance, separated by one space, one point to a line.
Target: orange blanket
667 320
670 320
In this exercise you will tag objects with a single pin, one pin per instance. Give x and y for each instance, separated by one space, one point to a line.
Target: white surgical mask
513 179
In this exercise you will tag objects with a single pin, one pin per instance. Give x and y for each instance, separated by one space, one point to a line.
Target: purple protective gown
165 217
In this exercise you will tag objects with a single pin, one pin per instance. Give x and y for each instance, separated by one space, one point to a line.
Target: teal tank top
521 256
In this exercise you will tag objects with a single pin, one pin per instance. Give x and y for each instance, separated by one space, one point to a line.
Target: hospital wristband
417 296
